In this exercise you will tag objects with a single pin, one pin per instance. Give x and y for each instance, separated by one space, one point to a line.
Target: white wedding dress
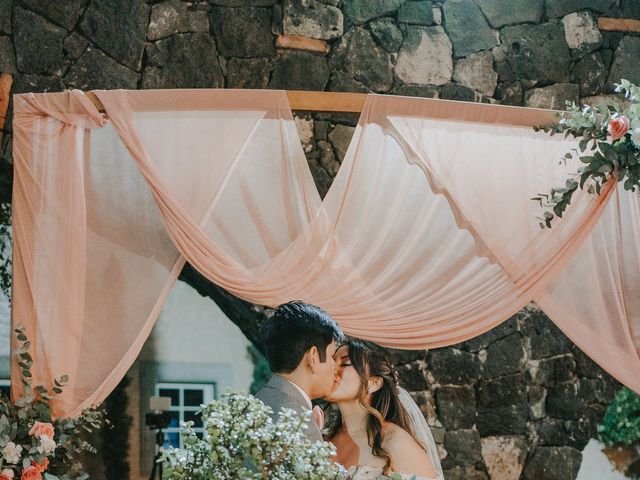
421 433
373 473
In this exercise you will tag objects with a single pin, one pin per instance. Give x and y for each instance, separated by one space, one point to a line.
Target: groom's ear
312 358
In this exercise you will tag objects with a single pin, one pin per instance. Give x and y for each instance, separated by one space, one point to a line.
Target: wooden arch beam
628 25
303 100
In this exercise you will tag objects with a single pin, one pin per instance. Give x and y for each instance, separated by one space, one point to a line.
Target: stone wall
519 401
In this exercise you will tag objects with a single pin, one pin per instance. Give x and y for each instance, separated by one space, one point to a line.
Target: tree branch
247 316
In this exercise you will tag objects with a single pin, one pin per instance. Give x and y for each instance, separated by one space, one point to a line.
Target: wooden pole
354 102
5 89
326 101
619 25
303 100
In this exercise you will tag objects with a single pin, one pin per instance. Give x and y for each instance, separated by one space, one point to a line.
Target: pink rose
42 467
31 473
40 428
618 127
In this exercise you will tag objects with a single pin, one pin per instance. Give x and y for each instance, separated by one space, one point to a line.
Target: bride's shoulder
395 435
406 454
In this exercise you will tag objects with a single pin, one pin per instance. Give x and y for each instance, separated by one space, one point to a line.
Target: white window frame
208 394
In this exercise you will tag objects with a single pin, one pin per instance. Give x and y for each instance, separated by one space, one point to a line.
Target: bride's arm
407 456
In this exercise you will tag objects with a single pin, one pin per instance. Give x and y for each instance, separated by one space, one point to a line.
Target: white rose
7 473
635 136
11 453
48 445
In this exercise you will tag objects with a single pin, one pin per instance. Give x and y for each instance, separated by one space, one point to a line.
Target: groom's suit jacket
278 393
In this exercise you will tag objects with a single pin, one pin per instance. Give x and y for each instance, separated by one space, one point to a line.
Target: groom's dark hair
292 330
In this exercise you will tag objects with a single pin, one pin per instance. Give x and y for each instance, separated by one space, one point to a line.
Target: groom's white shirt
304 394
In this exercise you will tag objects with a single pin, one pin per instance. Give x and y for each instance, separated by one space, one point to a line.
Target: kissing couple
376 426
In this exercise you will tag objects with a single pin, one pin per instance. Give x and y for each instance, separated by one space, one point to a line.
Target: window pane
175 419
199 435
196 419
172 439
193 397
174 393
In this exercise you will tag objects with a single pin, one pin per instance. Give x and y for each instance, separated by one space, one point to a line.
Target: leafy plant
621 423
261 371
609 148
5 249
620 429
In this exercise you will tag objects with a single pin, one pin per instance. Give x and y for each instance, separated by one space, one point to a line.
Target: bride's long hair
383 405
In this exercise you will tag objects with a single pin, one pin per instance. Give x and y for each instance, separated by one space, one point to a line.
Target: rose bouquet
32 442
609 149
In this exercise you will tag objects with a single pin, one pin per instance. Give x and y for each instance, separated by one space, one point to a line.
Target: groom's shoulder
276 383
273 388
277 393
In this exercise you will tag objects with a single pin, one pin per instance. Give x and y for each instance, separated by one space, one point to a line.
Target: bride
377 428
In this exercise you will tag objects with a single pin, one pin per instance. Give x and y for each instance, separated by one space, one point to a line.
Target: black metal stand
157 465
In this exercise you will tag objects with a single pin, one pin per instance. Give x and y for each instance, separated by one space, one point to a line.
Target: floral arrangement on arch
32 442
609 148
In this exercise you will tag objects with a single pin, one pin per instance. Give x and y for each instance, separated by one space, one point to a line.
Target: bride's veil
420 429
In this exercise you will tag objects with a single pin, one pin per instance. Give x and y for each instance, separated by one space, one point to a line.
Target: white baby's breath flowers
244 442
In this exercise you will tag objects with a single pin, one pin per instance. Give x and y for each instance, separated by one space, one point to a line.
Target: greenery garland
609 148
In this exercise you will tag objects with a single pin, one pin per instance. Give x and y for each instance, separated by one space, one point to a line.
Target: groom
300 340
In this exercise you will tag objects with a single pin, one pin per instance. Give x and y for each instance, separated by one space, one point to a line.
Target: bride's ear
374 384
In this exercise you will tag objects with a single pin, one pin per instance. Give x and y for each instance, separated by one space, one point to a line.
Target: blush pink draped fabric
426 238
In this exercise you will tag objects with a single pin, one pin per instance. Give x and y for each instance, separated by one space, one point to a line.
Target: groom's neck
301 379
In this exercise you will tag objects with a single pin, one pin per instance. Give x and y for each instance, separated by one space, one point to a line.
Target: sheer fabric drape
426 238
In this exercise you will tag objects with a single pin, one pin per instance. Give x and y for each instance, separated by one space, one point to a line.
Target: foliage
242 441
114 444
31 440
621 423
261 371
5 249
609 148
